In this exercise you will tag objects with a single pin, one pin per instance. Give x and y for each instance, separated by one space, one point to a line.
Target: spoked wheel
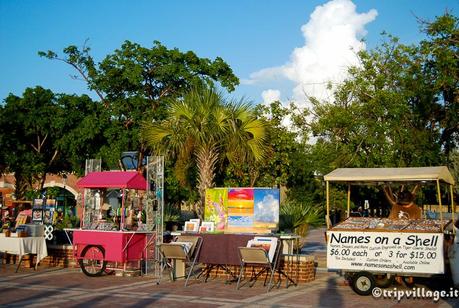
92 261
384 280
363 283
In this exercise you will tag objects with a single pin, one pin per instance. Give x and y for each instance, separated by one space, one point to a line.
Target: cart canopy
113 179
414 174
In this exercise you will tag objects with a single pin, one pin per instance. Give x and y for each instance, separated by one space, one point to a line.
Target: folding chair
186 249
257 256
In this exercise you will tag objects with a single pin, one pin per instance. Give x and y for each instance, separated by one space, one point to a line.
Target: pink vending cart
94 246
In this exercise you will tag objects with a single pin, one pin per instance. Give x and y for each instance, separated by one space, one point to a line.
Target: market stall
111 232
372 251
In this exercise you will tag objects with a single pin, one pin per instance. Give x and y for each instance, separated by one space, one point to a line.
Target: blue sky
251 36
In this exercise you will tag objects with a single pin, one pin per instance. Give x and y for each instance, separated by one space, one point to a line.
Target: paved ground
71 288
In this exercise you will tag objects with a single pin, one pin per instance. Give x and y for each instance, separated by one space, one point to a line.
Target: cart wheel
363 283
384 280
92 261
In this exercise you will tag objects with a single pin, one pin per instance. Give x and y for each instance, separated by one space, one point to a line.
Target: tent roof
390 174
113 179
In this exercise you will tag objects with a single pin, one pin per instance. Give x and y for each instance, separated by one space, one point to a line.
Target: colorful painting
37 215
191 226
216 207
243 209
48 215
208 225
266 209
240 208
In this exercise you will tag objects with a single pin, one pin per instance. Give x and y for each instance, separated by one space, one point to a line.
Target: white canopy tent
368 176
415 174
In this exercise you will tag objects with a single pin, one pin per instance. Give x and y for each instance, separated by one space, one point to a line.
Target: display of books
386 224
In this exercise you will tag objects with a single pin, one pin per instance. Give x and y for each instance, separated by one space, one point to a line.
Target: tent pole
439 204
348 200
328 204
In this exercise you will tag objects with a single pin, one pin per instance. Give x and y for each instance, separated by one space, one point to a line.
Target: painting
37 215
216 205
240 209
37 203
21 220
243 209
266 209
191 226
48 215
51 202
208 225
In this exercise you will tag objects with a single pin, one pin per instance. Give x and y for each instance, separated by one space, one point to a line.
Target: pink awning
113 179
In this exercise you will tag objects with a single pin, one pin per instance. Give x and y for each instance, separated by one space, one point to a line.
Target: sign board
388 252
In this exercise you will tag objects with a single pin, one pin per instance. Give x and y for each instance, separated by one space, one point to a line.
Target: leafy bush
171 213
300 216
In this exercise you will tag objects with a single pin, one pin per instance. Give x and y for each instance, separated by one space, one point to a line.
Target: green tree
35 135
398 108
440 68
134 83
373 120
202 130
287 131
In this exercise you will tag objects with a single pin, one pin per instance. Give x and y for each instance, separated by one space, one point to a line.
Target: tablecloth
24 245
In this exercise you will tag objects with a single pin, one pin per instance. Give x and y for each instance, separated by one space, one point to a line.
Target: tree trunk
21 186
206 158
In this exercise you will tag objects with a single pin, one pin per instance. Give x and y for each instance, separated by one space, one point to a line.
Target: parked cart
115 240
373 251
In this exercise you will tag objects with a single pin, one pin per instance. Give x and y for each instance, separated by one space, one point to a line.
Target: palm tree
202 129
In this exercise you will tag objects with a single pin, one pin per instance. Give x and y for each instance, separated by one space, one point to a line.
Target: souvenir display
381 224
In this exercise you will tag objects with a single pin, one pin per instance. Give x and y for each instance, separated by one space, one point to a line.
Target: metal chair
185 249
258 256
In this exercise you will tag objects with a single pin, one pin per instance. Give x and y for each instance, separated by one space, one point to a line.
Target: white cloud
270 96
332 40
267 209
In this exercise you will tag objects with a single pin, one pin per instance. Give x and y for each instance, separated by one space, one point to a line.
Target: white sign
388 252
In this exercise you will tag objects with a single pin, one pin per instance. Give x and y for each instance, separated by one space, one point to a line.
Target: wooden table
22 246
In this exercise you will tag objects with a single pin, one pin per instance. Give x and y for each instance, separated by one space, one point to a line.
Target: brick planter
58 256
306 270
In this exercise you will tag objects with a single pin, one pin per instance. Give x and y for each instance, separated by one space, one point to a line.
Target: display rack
155 204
